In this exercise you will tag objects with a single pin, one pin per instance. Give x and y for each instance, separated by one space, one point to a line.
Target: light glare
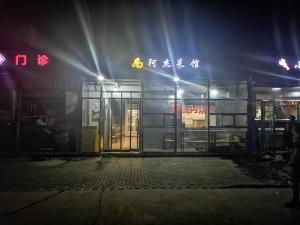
276 89
176 79
100 77
214 92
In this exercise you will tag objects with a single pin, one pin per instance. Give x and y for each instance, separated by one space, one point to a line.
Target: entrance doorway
121 123
111 117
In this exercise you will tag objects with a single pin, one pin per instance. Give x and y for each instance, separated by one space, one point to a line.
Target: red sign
200 109
21 60
42 60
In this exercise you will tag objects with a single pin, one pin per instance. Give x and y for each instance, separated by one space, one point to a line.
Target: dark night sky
225 35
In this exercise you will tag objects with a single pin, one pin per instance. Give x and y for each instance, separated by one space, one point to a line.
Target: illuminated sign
194 109
10 59
166 63
137 63
42 60
2 59
297 66
288 66
152 62
21 60
195 63
179 63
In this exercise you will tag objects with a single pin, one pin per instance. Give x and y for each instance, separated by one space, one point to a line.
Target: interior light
214 92
276 89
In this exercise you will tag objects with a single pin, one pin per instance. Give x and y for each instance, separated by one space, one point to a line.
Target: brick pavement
123 173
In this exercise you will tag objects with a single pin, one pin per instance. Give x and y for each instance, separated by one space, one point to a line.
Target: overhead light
214 92
276 89
100 77
176 79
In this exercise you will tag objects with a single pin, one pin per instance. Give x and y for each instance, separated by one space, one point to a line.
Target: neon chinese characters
42 60
180 63
21 60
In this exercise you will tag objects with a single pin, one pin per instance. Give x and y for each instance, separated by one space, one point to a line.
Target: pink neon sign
2 59
21 60
42 60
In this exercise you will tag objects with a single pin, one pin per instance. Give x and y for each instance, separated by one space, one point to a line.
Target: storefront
51 108
164 117
146 116
273 108
39 104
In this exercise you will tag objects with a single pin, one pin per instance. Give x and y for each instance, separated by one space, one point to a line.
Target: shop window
283 109
227 121
225 90
241 121
195 91
229 106
158 120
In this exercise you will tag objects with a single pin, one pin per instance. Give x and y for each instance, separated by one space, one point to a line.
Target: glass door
121 123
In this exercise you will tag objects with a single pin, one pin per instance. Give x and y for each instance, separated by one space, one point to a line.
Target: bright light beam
63 56
272 74
87 30
167 38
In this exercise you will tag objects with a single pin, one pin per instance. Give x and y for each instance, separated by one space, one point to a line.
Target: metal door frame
122 117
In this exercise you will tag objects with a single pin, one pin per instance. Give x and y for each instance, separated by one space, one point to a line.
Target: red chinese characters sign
200 109
23 59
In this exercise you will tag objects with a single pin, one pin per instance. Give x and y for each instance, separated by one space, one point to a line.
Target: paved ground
125 173
140 191
160 206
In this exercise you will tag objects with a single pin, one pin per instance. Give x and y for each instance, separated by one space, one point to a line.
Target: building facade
74 115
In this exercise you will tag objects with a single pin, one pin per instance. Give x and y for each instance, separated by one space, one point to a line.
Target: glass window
283 109
193 91
223 90
194 113
228 106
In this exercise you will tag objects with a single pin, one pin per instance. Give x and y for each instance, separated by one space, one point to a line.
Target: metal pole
110 119
99 123
263 131
79 132
138 123
130 120
121 129
141 121
208 113
273 127
175 119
